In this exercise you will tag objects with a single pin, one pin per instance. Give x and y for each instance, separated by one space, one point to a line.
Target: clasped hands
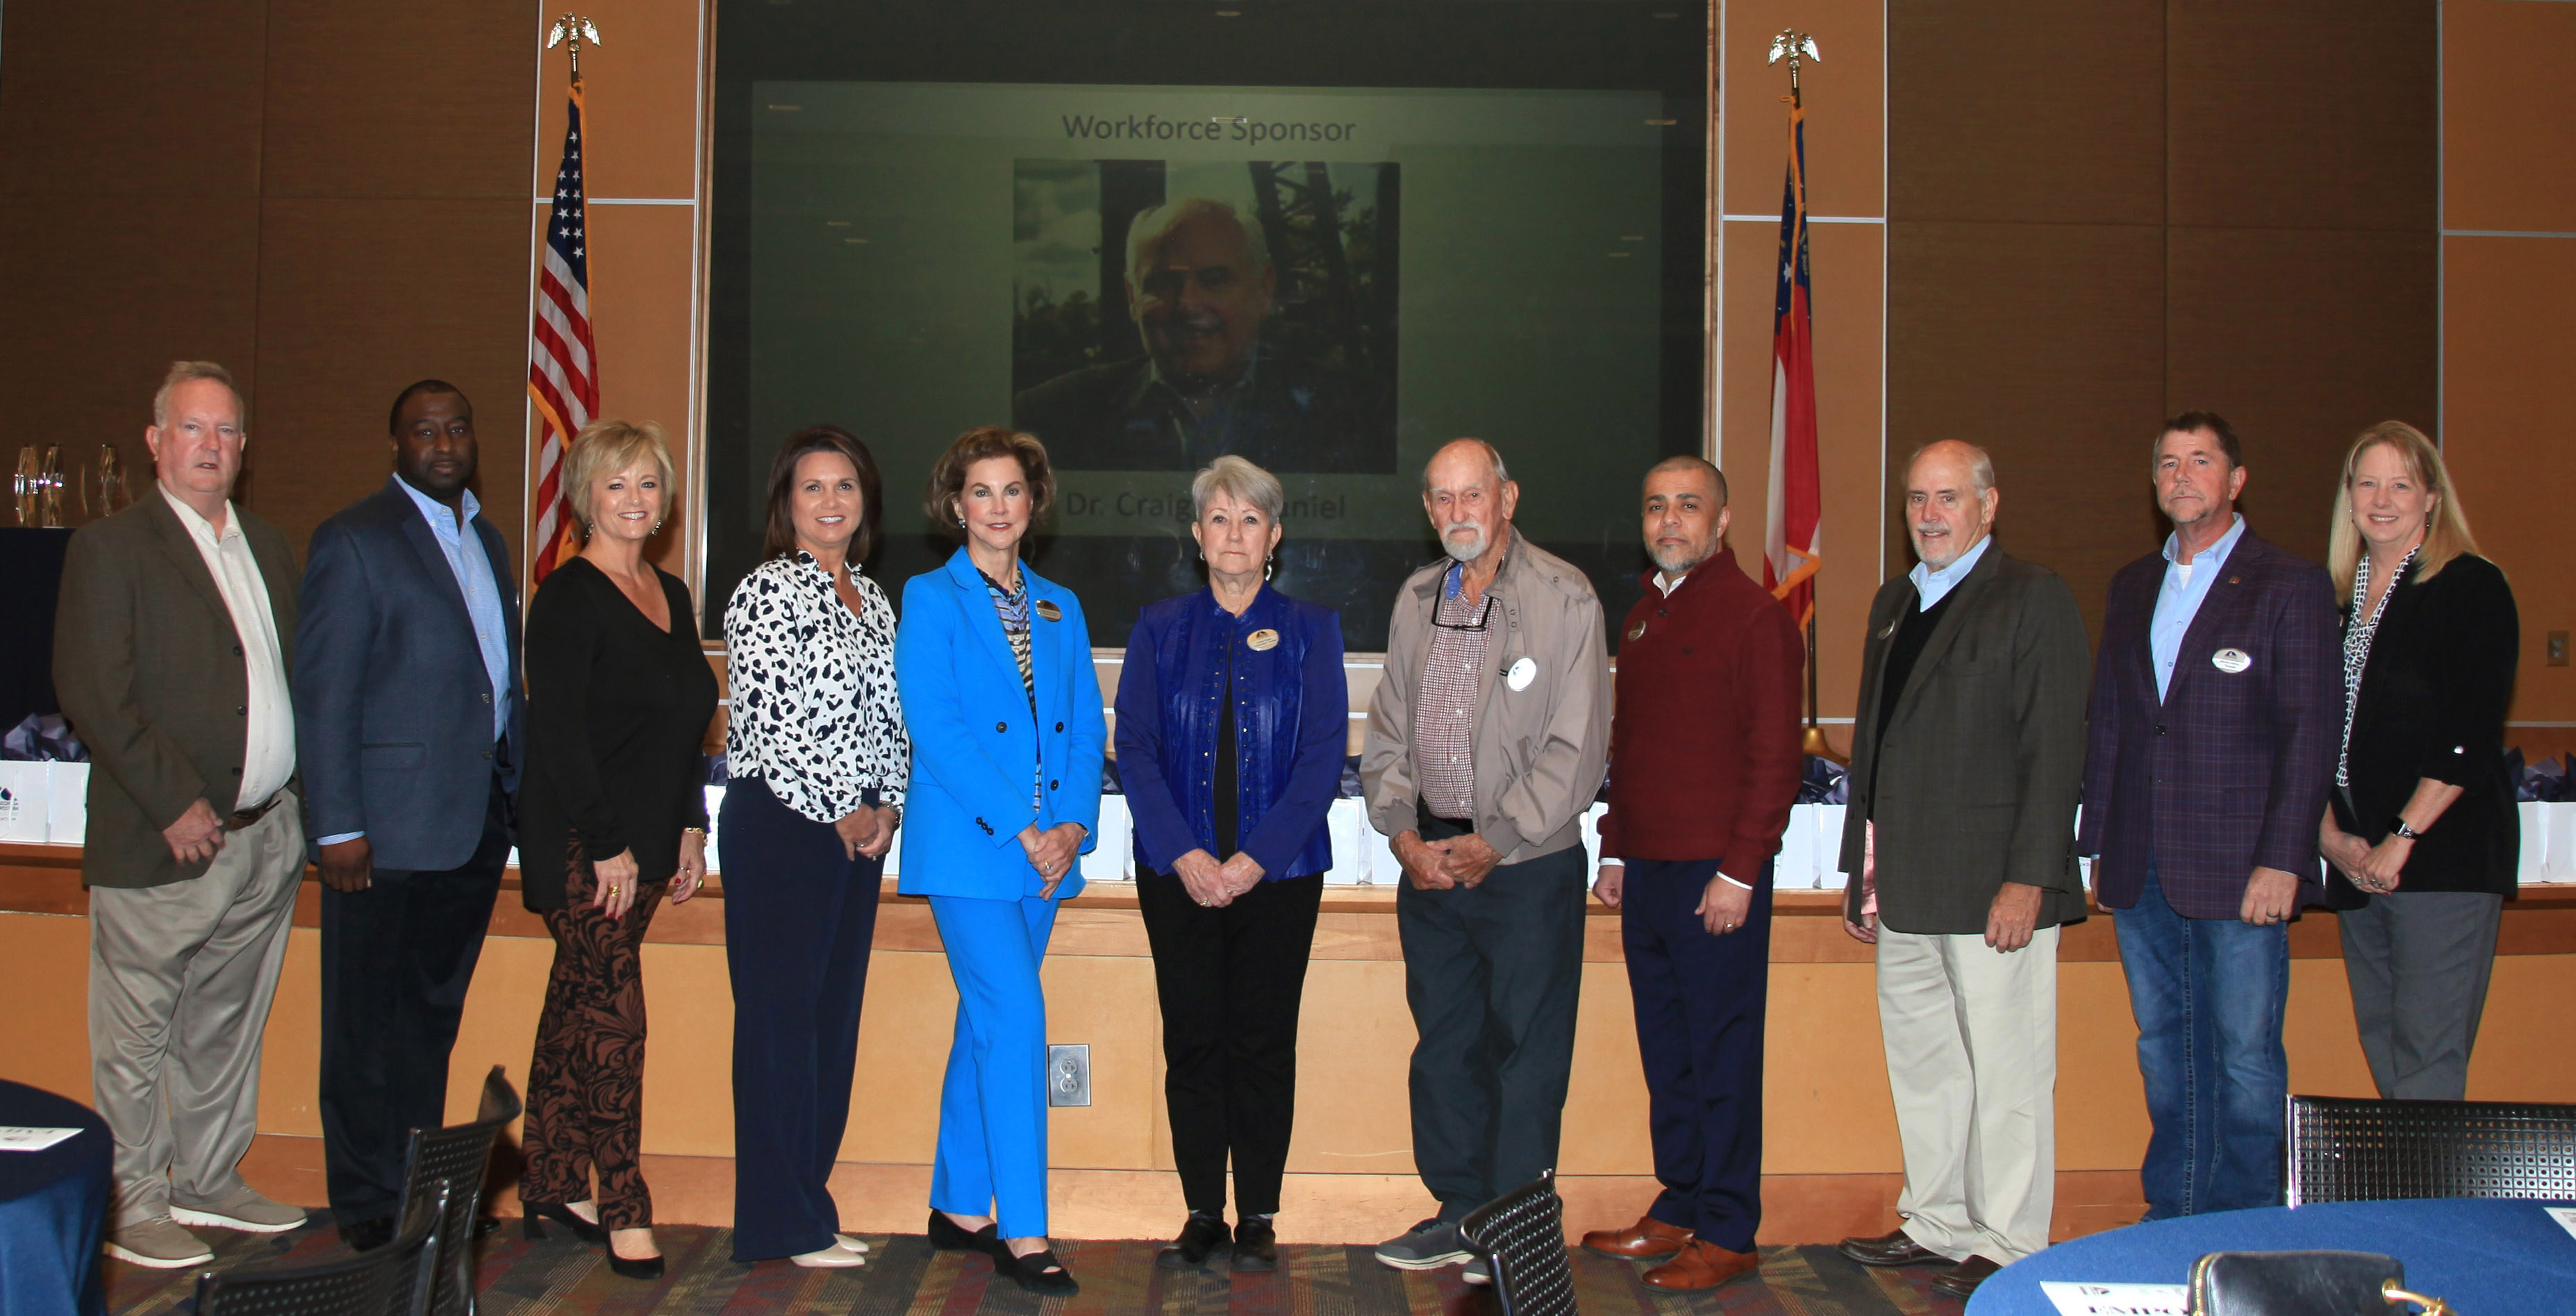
2377 868
1460 861
1051 852
1213 883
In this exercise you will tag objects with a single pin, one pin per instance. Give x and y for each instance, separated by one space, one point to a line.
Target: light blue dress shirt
1930 586
2179 601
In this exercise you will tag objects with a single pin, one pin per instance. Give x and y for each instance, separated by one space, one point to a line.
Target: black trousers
1699 1001
396 961
1492 974
800 916
1230 980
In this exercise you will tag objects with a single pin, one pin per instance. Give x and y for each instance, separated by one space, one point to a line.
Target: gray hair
1981 465
1493 455
1240 479
1154 223
189 372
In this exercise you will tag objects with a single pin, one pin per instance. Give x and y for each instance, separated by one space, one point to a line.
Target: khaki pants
180 980
1971 1037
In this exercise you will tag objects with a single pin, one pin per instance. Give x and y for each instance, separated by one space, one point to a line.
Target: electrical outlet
1069 1074
2558 648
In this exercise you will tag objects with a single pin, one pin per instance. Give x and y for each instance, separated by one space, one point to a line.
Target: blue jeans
2209 995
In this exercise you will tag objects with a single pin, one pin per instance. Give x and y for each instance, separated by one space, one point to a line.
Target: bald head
1470 497
1950 501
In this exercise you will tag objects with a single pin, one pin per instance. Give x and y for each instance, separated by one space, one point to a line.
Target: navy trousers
799 915
1699 1003
397 959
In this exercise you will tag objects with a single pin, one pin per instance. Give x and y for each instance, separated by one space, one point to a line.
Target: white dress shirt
268 751
1932 584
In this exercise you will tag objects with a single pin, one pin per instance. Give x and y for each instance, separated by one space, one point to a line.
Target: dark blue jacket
393 706
1292 729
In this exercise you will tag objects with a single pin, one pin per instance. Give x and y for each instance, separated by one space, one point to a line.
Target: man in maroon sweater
1704 764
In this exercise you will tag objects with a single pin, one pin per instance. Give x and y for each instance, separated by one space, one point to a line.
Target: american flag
563 371
1789 550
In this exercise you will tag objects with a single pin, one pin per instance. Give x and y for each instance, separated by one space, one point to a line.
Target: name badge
1523 671
2231 660
1046 608
1637 632
1891 629
1262 641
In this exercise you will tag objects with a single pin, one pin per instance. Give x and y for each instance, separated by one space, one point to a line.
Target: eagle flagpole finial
575 29
1796 47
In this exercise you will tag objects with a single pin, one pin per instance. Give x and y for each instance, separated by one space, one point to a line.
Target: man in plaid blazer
2216 715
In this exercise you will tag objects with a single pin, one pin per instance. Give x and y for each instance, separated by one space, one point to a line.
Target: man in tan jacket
1486 742
169 660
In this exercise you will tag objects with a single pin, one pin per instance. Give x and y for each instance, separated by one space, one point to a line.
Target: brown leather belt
242 819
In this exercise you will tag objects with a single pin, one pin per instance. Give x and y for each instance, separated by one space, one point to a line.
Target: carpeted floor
904 1277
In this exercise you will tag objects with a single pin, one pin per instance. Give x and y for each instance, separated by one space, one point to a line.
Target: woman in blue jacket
1233 716
993 664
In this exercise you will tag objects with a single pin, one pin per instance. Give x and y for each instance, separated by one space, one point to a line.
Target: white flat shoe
830 1257
849 1242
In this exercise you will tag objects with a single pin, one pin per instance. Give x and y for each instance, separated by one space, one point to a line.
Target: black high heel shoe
947 1235
635 1267
561 1214
1038 1272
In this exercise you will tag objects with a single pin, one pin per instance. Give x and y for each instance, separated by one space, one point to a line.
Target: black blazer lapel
1963 600
433 559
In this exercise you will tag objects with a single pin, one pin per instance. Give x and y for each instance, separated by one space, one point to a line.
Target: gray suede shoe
159 1244
245 1209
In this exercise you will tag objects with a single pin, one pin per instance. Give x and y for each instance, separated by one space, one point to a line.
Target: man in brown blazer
170 662
1966 753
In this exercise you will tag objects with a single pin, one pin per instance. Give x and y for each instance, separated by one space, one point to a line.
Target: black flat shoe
561 1214
1199 1239
636 1267
364 1235
1256 1245
1039 1273
947 1235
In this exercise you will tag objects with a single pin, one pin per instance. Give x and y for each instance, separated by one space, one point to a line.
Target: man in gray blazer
407 703
1966 754
169 658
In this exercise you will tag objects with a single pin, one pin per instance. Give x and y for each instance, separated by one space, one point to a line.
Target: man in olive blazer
1967 749
169 657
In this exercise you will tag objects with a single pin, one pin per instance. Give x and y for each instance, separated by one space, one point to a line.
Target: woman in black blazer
612 815
2421 827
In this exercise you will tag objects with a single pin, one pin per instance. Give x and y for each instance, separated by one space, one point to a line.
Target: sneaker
1427 1246
159 1244
1476 1271
245 1209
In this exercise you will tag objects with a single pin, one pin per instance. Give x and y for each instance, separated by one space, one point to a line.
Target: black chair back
2345 1149
393 1280
1521 1236
457 1156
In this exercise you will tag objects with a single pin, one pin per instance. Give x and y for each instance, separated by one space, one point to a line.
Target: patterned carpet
904 1277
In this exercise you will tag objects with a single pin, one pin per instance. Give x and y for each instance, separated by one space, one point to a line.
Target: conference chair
2345 1149
1521 1236
393 1280
457 1155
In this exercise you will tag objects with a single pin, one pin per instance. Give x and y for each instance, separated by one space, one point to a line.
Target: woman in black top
2421 827
611 812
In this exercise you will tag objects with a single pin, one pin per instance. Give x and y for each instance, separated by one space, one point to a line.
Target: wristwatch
2397 827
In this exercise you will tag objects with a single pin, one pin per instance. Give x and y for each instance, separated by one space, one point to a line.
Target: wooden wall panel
2303 113
2027 110
375 98
132 98
1846 102
102 294
2509 115
2302 338
641 263
641 95
2045 343
359 298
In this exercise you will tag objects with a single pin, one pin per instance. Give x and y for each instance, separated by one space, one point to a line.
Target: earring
961 521
1268 567
657 529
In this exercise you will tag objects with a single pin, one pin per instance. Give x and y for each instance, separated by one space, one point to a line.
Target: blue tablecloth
2484 1258
53 1203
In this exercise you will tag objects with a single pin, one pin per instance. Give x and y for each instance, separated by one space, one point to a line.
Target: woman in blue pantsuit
994 667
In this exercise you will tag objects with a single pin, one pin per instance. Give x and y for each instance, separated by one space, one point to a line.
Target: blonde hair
189 372
605 447
2446 527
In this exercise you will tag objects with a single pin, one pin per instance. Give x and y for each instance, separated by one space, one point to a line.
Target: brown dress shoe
1702 1265
1647 1240
1893 1248
1961 1280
